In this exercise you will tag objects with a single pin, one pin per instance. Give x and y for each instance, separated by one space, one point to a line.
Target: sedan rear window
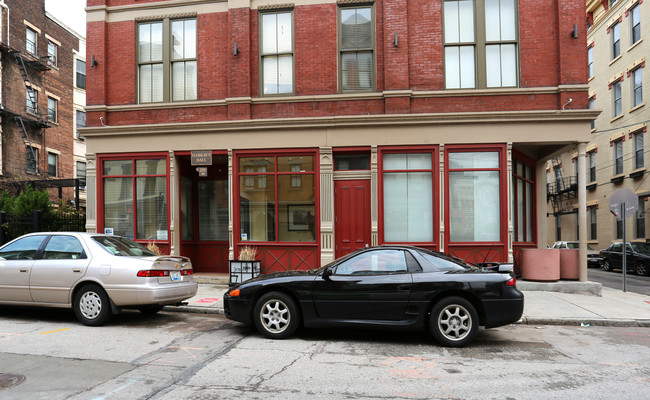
119 246
442 264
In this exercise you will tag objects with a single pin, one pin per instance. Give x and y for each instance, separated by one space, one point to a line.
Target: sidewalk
612 308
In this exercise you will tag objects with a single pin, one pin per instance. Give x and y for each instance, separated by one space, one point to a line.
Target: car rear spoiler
496 267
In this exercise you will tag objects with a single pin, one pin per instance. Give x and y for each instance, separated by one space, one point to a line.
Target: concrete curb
194 310
586 321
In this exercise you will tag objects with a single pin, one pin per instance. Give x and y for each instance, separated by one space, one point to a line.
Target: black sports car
389 286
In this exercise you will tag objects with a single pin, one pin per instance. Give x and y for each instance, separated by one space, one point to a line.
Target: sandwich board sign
623 204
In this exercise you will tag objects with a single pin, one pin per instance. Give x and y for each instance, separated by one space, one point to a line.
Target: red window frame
237 155
503 189
520 158
433 150
132 157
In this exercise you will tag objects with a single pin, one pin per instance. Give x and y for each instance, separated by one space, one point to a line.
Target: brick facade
54 81
408 110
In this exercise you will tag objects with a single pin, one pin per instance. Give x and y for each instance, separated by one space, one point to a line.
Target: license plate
175 275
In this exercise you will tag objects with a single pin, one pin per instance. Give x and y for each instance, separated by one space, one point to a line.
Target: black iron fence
13 227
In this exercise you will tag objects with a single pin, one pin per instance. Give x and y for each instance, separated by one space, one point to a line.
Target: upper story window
80 118
32 159
637 87
52 162
356 49
31 103
80 79
590 61
277 52
618 156
617 106
615 35
167 61
591 165
52 51
591 105
638 150
30 41
480 43
52 109
635 24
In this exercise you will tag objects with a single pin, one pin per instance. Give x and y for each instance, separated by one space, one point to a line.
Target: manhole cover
10 380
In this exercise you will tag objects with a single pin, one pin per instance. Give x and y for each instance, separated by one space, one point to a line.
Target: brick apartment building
37 74
312 128
617 151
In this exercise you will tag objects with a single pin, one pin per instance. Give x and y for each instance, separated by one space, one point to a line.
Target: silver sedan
96 275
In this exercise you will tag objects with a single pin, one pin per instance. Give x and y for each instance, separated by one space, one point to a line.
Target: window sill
617 178
635 44
616 59
638 172
636 108
616 117
592 185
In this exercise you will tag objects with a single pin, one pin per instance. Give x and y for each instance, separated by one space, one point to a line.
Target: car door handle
24 270
404 288
76 269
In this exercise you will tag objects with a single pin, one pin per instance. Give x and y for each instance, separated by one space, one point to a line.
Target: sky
70 12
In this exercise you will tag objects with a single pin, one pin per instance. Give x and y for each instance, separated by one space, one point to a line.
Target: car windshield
641 247
119 246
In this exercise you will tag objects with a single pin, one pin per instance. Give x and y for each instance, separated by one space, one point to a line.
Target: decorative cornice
397 120
275 6
170 16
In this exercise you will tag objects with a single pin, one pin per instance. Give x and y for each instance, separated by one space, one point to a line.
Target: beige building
616 154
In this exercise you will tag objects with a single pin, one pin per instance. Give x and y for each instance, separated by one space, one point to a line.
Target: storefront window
273 207
408 197
474 197
144 217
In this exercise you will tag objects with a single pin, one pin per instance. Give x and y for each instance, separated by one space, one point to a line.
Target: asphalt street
614 280
176 356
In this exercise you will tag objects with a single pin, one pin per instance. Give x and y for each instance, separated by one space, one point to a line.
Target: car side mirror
327 273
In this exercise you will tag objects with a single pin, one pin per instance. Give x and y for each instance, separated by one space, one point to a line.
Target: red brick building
331 125
36 105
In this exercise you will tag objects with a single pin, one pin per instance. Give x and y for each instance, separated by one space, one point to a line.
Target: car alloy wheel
454 322
641 269
606 265
276 315
92 306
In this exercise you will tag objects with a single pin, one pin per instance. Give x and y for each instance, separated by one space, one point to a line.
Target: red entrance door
352 215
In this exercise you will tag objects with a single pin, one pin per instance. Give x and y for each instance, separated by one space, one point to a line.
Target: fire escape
561 191
26 114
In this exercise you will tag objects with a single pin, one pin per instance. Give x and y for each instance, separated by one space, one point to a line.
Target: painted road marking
58 330
207 300
7 336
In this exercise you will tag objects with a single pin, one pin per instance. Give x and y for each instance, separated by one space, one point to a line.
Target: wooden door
352 215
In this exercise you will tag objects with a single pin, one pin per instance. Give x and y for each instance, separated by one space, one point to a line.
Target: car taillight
512 282
152 273
186 272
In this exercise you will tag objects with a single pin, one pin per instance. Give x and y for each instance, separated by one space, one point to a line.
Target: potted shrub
246 266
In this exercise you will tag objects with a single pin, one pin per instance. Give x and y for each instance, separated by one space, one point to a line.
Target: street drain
10 380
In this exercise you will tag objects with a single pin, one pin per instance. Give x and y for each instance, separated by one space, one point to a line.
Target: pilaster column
91 187
441 197
582 209
231 208
509 195
173 205
374 195
326 205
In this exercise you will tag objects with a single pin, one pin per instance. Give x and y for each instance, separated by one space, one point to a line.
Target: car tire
276 315
641 269
92 305
453 322
606 265
150 310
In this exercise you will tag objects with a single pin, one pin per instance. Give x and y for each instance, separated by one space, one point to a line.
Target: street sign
623 204
623 197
